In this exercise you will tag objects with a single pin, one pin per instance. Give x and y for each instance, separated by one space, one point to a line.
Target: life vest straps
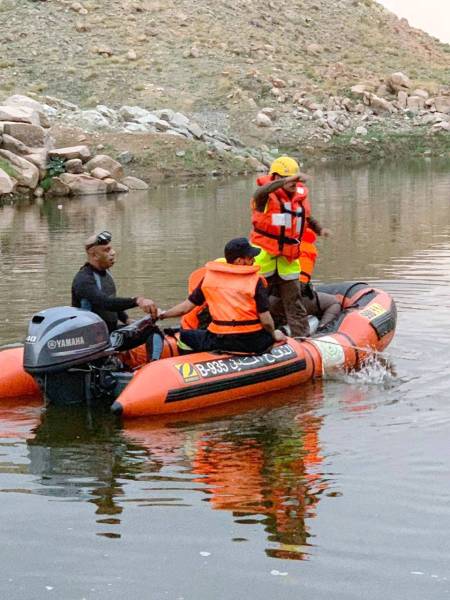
283 239
236 323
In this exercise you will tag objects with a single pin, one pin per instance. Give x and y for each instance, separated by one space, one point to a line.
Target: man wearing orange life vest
238 302
280 215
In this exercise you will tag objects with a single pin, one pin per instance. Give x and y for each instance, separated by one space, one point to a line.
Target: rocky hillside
334 78
207 55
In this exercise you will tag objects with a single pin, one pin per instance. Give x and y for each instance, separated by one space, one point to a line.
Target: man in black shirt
93 287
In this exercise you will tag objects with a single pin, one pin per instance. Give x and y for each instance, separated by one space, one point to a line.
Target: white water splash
375 370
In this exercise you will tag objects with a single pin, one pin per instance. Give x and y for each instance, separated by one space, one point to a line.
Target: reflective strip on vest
269 265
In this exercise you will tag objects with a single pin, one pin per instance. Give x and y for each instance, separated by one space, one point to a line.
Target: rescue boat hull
195 381
176 384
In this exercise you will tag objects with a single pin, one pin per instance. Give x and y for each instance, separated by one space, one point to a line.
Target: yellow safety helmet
285 166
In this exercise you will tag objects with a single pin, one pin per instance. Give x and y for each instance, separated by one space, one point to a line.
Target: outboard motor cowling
63 337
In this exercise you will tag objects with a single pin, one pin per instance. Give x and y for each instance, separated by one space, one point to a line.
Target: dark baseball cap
239 248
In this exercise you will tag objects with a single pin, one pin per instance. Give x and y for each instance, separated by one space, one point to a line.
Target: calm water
336 490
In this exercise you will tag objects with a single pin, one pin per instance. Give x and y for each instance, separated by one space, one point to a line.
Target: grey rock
133 183
125 158
132 113
179 120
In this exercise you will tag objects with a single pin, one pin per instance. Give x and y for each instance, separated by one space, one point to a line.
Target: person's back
238 303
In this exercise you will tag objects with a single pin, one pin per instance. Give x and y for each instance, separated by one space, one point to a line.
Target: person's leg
249 343
294 309
329 307
276 309
199 340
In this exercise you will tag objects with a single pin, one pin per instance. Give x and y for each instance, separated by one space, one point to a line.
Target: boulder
30 135
125 157
100 173
83 185
16 146
442 104
20 100
38 156
111 184
25 173
74 166
107 163
179 120
132 113
166 114
43 110
81 152
419 92
92 119
58 188
398 81
139 128
415 103
114 187
442 126
133 183
19 114
25 101
196 130
7 183
359 89
255 164
402 99
361 130
378 104
263 120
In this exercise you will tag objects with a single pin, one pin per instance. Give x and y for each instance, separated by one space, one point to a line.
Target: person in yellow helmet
280 214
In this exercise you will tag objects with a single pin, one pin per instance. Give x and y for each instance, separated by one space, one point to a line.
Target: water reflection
263 467
80 454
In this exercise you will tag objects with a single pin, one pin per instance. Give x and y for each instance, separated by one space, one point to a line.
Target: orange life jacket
229 291
308 254
279 229
191 319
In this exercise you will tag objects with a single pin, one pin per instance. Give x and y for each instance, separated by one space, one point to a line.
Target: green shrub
55 167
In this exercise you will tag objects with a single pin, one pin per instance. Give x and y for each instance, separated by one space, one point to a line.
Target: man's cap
239 248
98 239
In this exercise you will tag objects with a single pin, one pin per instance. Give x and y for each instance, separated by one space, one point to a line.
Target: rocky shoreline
31 161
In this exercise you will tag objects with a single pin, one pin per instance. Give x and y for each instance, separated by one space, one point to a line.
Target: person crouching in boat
280 215
238 303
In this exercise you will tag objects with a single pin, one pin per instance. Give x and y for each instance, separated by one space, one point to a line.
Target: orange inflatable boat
70 358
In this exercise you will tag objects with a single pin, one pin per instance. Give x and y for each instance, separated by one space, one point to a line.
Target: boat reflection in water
259 459
264 466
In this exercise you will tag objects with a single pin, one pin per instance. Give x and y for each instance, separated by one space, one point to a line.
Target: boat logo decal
188 372
65 343
373 311
237 364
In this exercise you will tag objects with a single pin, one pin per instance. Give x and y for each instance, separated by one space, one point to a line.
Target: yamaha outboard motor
62 347
71 355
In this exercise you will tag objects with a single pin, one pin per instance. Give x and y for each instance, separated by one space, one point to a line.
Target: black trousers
202 340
